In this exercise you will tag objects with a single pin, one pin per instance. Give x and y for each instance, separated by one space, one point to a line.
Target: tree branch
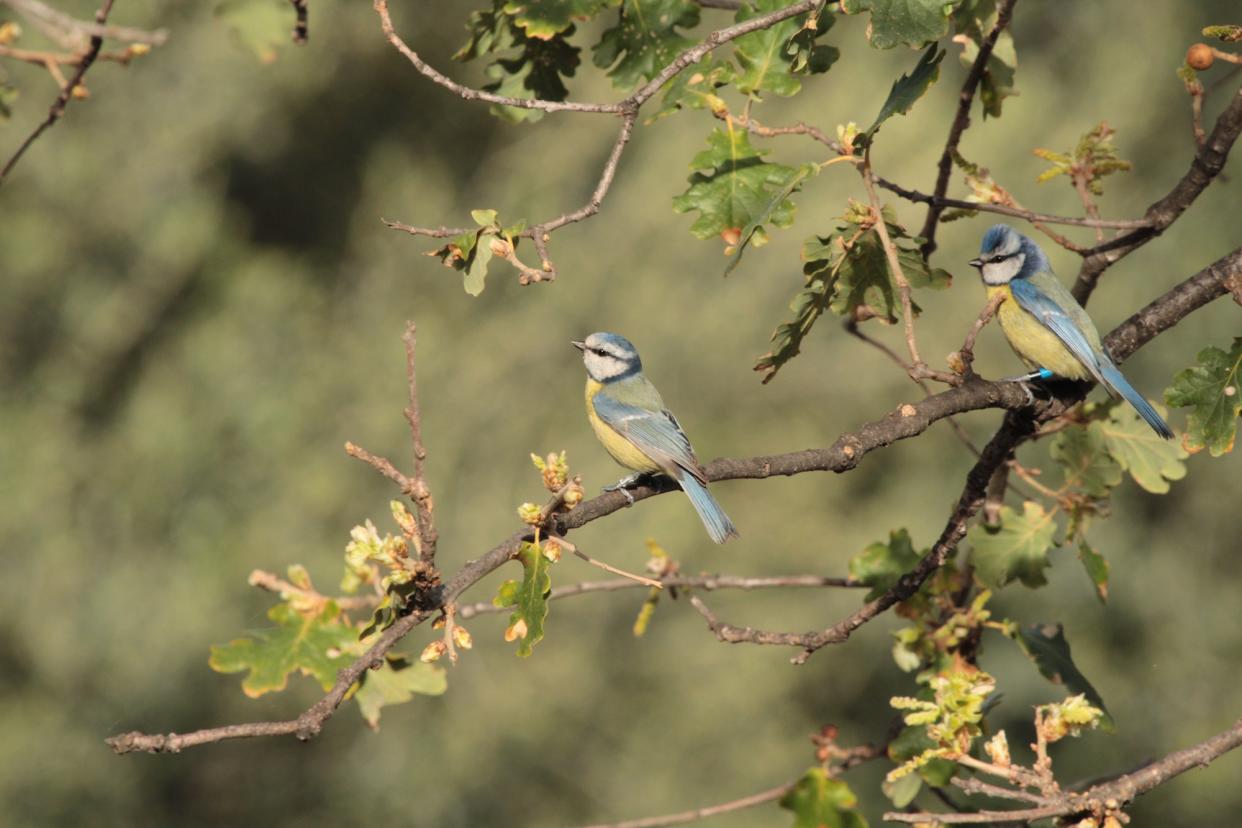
627 109
1207 163
62 100
961 121
908 420
1005 210
420 492
301 28
1102 799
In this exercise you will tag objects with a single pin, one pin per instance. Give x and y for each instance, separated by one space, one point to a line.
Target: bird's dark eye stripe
1000 258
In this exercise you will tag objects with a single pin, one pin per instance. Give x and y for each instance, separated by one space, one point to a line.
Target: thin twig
966 354
1005 210
301 28
642 580
1004 11
62 100
274 583
418 489
707 812
918 368
704 582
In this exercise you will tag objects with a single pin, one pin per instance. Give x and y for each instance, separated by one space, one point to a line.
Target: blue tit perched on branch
1044 323
630 419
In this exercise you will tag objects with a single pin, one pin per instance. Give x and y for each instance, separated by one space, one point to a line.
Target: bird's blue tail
1113 378
714 518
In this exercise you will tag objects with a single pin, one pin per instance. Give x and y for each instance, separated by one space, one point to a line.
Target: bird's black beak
975 263
581 346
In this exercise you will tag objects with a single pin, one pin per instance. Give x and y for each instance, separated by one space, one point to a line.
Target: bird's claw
623 486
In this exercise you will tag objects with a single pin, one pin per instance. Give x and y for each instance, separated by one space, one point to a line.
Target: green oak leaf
776 203
1017 549
1150 460
881 565
524 66
695 88
395 682
313 643
847 272
645 39
534 73
806 55
544 19
1096 566
1045 644
764 58
818 801
912 22
907 90
529 598
973 21
732 184
1085 461
1212 390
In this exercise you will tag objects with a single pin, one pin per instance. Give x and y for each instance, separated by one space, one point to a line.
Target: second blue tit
1044 323
630 419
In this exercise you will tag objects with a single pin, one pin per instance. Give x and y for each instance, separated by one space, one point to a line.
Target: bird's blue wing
1056 319
655 433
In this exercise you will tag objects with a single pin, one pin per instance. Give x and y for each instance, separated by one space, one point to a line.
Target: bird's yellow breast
621 449
1036 345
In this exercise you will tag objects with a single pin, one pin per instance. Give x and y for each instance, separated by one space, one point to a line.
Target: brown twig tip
68 89
301 27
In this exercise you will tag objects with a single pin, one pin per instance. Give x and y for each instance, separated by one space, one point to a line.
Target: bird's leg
1041 374
1025 379
625 484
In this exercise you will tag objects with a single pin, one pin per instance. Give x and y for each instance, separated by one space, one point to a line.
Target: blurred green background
199 305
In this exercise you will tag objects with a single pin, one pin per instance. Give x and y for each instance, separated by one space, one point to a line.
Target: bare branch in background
301 26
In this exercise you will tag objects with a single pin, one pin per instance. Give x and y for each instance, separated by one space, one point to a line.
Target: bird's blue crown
1001 238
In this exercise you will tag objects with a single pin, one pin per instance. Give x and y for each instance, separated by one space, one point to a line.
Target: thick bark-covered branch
1207 163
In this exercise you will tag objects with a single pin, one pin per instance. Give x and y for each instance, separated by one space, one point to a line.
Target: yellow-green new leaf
314 644
820 802
1150 460
542 19
1211 389
1017 549
396 682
